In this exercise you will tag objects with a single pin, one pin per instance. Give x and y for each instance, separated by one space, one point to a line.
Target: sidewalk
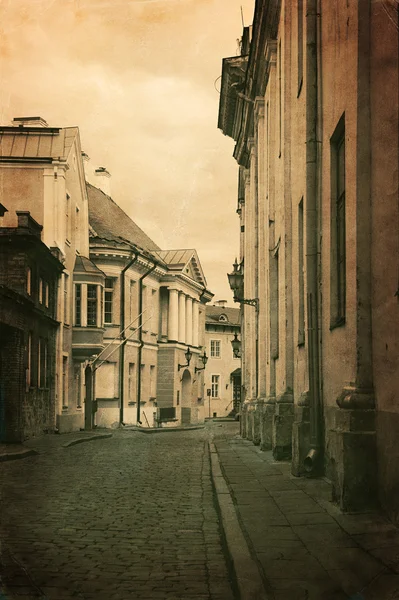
50 442
305 548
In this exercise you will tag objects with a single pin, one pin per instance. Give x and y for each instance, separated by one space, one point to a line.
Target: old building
223 370
154 311
29 273
41 171
312 104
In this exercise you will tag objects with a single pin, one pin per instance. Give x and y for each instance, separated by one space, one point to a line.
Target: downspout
140 350
123 336
313 462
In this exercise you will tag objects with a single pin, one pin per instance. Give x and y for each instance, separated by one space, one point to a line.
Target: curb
16 455
166 429
249 580
100 436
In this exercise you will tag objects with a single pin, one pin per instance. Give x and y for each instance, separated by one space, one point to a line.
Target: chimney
221 303
102 177
29 122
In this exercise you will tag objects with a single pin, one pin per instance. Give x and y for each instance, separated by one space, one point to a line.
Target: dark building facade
29 274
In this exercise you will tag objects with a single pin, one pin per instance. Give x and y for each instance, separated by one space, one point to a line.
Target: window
46 294
66 307
41 288
133 304
28 281
29 361
42 363
301 277
338 226
92 306
64 382
78 305
215 381
300 45
108 300
132 383
215 349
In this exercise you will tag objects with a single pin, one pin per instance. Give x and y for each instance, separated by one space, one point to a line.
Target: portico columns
182 317
195 322
189 321
173 315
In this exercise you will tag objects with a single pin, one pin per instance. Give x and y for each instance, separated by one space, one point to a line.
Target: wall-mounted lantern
236 282
236 345
188 355
204 359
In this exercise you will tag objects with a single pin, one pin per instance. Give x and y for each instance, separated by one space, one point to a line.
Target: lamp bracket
251 302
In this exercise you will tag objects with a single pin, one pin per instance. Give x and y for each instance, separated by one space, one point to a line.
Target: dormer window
223 319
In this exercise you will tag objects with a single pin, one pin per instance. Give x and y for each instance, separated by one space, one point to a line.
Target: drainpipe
140 326
132 260
313 461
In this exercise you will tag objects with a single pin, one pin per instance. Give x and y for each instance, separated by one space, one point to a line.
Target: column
173 315
189 321
182 317
195 323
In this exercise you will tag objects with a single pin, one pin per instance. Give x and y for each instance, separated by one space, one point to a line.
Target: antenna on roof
242 17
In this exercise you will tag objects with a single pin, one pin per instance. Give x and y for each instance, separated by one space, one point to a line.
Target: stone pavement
140 517
305 548
131 516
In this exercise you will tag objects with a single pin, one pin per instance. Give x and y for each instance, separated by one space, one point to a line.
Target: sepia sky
138 78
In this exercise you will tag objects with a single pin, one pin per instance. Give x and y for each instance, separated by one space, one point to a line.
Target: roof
108 221
185 262
213 314
84 265
36 142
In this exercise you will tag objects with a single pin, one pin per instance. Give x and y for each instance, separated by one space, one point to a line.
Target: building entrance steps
303 546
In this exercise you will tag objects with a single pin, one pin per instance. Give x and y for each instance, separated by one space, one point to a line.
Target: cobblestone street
133 516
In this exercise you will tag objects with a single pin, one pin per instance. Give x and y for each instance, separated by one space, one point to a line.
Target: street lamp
204 359
236 344
188 355
236 282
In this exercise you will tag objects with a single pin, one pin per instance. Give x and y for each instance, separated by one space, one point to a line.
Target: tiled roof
36 142
213 314
108 221
84 265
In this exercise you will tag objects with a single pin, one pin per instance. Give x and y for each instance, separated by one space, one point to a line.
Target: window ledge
338 322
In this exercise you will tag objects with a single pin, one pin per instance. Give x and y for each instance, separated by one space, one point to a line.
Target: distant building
29 274
223 370
153 311
312 104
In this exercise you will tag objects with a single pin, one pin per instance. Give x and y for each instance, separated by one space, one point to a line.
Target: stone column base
282 427
250 420
266 423
351 456
243 420
300 436
257 421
